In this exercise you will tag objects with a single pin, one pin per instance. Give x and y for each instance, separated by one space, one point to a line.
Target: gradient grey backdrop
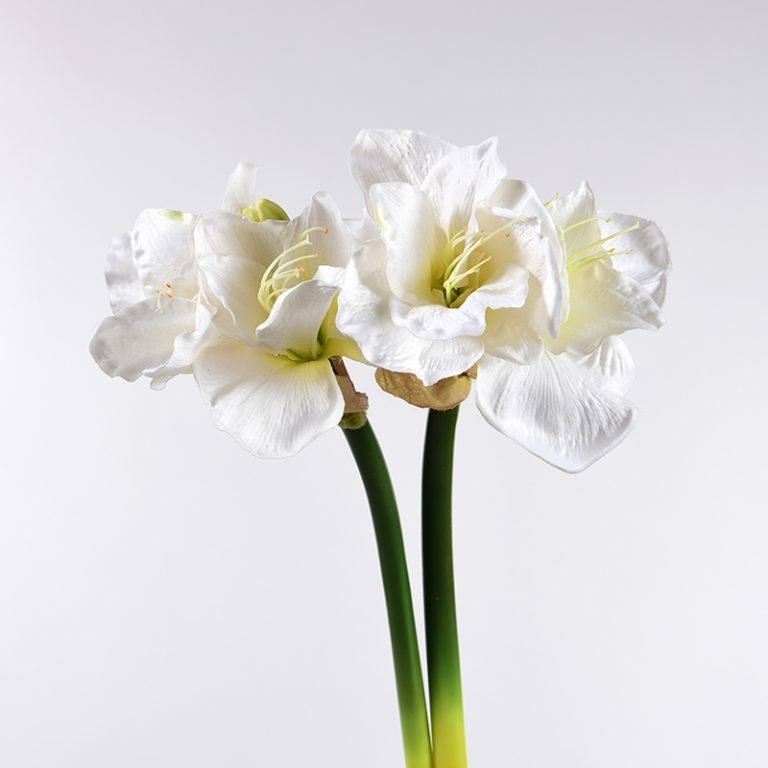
167 600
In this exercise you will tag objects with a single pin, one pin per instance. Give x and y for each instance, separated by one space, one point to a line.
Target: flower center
462 272
281 275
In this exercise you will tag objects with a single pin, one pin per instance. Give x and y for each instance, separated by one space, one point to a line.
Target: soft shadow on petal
242 189
509 335
364 314
565 410
163 246
435 321
642 254
460 181
141 337
123 282
272 406
185 347
333 240
604 302
233 254
412 238
391 155
295 320
537 247
575 213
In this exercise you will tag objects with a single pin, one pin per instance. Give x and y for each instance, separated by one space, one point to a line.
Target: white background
168 600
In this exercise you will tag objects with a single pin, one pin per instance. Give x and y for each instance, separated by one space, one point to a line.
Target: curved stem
447 709
397 591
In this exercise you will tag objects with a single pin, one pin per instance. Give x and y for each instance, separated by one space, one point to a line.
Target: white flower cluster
454 269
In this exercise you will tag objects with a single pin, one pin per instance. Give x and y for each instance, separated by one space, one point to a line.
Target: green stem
397 592
447 710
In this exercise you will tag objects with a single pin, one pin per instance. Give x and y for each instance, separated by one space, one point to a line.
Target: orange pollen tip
325 230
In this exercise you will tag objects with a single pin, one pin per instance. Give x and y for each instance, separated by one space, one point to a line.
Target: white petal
364 228
507 288
233 254
273 406
295 321
141 337
388 155
242 189
163 245
576 215
364 314
604 302
460 181
567 411
524 243
334 247
123 282
642 254
185 347
412 238
510 335
513 197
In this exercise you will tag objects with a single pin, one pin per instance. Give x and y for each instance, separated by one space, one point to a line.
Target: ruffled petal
332 239
641 253
389 155
294 324
163 246
123 282
185 347
513 199
507 288
567 411
576 215
242 189
412 238
271 405
233 254
509 334
364 314
460 181
141 337
522 242
604 302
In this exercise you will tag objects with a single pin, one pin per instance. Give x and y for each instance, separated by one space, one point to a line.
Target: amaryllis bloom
271 286
445 262
569 405
151 275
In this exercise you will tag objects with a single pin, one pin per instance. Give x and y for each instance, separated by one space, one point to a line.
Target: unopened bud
265 210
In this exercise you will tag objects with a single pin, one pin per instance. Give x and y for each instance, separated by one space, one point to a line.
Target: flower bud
265 210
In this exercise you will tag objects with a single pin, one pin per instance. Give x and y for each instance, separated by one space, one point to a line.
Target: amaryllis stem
445 699
397 593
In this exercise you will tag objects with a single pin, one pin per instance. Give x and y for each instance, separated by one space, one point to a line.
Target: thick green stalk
397 592
447 710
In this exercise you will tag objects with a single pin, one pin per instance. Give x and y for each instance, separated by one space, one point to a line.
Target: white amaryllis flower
272 287
429 291
151 275
569 406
